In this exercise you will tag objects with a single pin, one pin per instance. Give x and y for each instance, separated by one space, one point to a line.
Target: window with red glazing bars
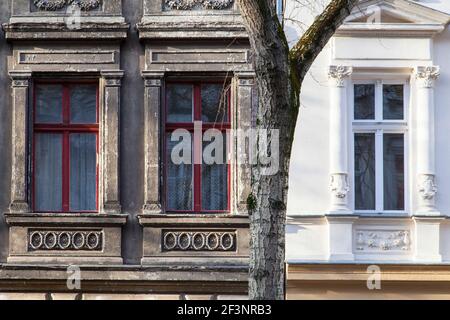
65 147
198 186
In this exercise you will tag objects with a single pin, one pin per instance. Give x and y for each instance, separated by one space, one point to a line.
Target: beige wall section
349 282
99 296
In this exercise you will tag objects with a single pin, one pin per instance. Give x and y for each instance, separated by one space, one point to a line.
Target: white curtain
179 182
83 172
48 164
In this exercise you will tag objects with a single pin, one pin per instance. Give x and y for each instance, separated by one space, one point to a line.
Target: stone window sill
65 239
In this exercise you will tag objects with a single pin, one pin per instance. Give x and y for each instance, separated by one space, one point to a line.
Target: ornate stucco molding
426 76
338 74
427 186
54 5
382 240
339 185
198 4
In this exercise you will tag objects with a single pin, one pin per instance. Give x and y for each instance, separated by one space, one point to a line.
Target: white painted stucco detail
425 80
340 188
410 47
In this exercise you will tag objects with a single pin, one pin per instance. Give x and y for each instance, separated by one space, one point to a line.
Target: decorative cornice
198 4
338 74
414 20
47 28
426 76
55 5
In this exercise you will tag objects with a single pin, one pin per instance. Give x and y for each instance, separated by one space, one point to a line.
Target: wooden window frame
65 128
197 168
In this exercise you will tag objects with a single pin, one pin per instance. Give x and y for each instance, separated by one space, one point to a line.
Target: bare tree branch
318 34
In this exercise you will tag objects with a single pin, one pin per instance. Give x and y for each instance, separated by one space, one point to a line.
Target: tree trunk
277 110
279 74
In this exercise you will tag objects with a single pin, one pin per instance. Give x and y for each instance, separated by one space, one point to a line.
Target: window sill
198 239
399 214
196 220
76 239
76 219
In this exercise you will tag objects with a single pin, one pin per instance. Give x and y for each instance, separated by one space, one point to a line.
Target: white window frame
379 127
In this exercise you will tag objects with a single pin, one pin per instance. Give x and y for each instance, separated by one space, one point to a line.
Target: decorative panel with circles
60 240
199 241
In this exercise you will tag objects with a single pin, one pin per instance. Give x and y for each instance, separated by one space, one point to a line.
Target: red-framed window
198 186
65 147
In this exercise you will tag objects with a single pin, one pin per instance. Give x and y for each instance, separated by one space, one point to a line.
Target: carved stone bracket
382 240
55 5
198 241
198 4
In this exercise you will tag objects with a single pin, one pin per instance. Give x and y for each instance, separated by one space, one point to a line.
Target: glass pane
179 176
214 103
49 103
394 172
83 104
179 103
83 172
365 171
215 176
48 175
364 102
393 102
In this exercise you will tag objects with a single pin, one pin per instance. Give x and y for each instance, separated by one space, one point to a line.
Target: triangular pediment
394 16
396 11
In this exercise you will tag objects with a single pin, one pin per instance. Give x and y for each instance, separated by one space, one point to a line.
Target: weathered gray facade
133 247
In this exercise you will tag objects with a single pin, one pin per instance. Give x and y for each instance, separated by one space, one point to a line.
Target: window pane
215 176
365 171
214 103
394 172
364 102
83 104
49 103
179 103
393 102
83 172
48 175
179 176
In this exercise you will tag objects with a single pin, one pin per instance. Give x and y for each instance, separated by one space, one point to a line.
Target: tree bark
279 74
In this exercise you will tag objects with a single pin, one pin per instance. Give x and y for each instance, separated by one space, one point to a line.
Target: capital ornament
338 74
426 76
